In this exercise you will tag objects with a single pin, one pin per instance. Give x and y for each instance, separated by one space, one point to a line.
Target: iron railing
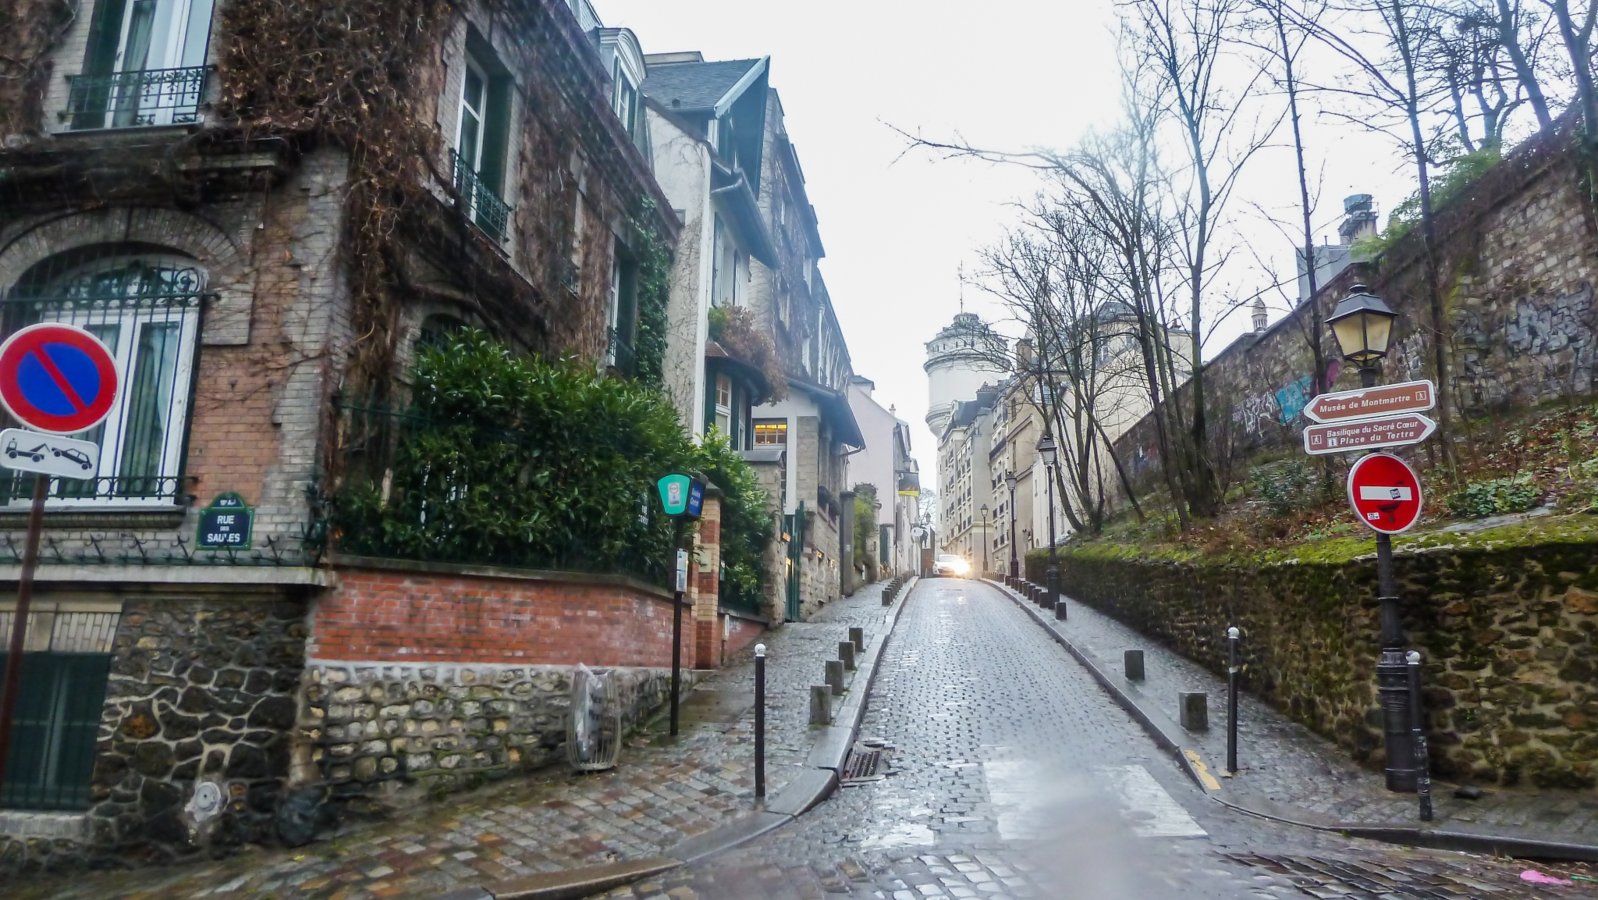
134 99
620 354
478 202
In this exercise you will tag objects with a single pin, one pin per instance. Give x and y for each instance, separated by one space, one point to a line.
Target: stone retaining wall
1510 638
376 729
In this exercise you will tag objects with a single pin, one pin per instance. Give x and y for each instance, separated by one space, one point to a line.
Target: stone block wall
386 731
434 677
1509 637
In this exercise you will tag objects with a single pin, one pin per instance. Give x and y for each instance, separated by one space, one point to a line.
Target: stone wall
434 677
1519 263
384 731
201 689
1509 637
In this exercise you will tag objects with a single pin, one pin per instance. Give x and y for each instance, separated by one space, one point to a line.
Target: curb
799 796
1168 735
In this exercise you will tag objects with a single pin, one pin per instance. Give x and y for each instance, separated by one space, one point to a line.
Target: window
64 669
625 99
147 313
771 432
724 404
145 64
623 321
482 135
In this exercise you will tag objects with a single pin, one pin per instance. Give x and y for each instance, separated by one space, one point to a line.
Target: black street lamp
1009 480
1048 453
1363 326
984 539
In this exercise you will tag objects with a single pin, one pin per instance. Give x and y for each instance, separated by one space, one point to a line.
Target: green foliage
654 291
517 461
1458 174
1286 487
865 518
1497 496
748 524
739 333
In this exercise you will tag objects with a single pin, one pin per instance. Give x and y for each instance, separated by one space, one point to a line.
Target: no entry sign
1385 493
57 378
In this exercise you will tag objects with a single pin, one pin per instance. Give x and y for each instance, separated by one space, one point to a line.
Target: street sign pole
19 619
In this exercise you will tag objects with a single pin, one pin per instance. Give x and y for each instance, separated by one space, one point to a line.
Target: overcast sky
1004 73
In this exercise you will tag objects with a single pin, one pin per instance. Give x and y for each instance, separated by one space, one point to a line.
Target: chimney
1259 315
1359 219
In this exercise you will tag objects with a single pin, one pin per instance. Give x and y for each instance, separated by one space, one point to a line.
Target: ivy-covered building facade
264 240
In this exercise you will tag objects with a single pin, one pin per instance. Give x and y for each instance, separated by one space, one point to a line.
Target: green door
53 735
796 549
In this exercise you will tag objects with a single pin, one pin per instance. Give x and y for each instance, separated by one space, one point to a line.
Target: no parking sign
57 378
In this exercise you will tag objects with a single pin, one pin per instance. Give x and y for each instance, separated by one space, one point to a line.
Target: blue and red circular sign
57 378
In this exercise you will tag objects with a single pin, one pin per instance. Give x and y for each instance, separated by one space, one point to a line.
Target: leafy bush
1285 487
748 524
518 461
1495 497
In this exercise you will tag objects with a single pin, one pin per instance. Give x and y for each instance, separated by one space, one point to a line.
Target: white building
886 464
963 357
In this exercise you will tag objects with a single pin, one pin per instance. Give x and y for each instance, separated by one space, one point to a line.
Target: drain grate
863 764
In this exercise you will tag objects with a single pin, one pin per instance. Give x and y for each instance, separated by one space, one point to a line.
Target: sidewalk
667 801
1289 773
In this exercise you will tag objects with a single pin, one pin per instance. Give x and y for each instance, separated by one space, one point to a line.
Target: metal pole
1053 573
1392 676
1232 635
984 544
760 720
676 631
1423 777
1013 568
19 619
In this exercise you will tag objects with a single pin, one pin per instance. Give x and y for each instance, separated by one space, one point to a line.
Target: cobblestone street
1011 774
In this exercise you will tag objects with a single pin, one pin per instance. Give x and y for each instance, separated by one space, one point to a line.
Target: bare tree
1575 20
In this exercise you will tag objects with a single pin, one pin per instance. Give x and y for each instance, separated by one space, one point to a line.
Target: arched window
146 310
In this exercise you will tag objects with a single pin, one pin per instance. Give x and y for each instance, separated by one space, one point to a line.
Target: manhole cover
863 764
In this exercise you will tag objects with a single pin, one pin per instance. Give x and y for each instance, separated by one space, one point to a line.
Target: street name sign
57 378
1384 400
225 524
1385 493
1367 434
48 454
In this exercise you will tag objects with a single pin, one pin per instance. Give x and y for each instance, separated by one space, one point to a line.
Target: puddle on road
906 834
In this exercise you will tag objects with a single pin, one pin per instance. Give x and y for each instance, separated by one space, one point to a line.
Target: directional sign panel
57 378
1385 493
48 454
1367 434
1386 400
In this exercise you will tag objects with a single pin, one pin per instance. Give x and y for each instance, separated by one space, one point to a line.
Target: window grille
147 312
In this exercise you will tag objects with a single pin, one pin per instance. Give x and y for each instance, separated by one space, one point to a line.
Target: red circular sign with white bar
1385 493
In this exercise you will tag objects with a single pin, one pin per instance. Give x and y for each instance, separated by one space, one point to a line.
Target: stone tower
962 358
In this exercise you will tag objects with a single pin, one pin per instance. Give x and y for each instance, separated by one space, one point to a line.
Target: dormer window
625 100
144 65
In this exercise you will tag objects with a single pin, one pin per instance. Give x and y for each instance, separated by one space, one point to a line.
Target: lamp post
984 539
1048 453
1009 480
1363 326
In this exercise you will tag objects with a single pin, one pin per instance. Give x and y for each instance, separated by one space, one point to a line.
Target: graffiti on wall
1546 340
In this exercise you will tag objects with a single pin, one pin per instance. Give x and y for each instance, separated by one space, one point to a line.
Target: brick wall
404 613
741 633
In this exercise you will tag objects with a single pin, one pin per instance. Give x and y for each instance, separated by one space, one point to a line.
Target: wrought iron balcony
134 99
620 355
478 202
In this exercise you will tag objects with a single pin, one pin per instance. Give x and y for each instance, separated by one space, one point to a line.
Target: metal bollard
834 673
1132 660
857 636
1232 635
820 704
760 720
1059 609
846 654
1417 716
1195 710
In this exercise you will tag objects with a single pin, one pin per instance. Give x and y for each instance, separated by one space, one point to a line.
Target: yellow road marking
1205 778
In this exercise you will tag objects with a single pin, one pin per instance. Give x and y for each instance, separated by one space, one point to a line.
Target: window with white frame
144 64
724 404
146 310
771 432
625 99
623 315
482 135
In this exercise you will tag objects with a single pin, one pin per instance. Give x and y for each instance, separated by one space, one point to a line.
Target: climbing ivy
654 291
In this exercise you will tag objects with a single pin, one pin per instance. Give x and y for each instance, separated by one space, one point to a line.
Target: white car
951 565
